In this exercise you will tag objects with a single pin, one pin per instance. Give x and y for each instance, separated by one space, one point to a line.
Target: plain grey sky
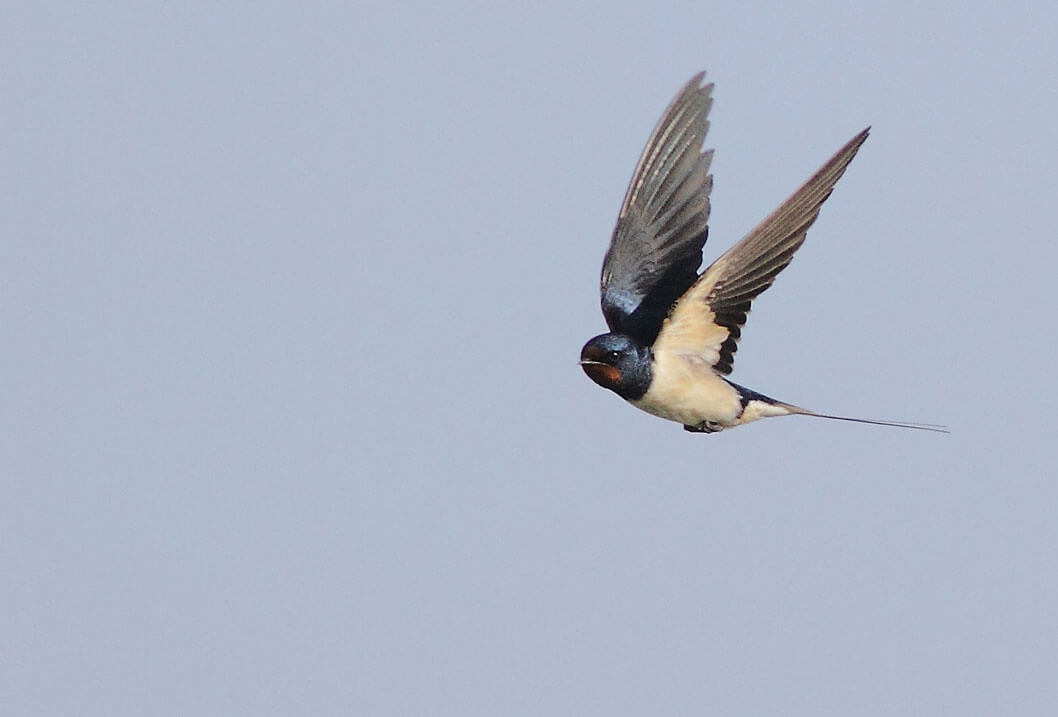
291 301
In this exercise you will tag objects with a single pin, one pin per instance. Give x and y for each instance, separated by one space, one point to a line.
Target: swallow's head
617 362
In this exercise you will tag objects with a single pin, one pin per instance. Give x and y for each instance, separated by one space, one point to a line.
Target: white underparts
687 390
761 409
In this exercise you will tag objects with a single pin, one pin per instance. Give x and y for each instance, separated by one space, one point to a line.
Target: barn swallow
673 333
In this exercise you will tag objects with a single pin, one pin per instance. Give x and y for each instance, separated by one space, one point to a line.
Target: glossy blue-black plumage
631 376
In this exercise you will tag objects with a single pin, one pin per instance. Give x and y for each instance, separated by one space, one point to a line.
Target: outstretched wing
708 320
657 245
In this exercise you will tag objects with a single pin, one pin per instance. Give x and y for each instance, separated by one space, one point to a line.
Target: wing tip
856 142
695 86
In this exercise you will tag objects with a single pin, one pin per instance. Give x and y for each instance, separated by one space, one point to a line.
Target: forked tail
756 405
936 428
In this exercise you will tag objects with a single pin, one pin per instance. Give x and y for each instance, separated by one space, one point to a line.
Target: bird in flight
673 333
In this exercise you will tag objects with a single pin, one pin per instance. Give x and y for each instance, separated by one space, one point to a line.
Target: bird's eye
615 355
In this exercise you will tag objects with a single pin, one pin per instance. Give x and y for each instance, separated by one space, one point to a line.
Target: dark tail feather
936 428
748 396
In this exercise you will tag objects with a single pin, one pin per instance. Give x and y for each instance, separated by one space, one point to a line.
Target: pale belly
689 392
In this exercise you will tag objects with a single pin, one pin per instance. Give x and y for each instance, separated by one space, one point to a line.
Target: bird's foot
705 427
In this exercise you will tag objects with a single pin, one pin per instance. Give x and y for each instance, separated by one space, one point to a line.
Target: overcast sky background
291 298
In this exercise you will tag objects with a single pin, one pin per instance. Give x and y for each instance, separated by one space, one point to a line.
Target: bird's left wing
707 321
657 245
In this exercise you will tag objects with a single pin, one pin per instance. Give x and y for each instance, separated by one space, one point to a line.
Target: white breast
686 390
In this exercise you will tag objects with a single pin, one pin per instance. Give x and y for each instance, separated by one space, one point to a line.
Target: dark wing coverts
657 245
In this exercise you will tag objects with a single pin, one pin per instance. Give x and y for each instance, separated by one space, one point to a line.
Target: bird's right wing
707 321
657 245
